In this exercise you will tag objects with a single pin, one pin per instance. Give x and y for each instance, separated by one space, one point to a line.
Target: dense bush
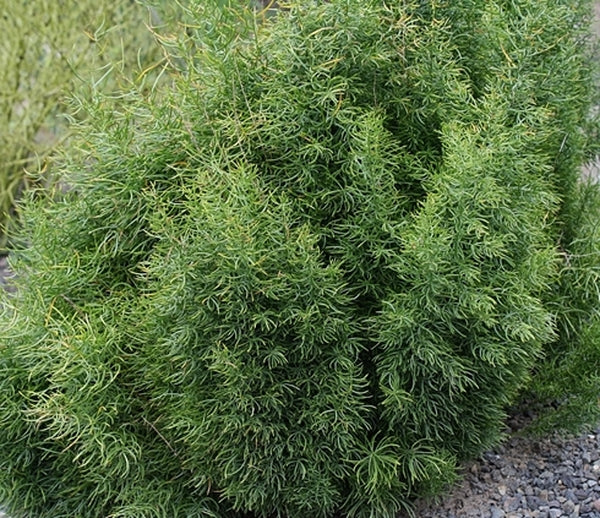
313 276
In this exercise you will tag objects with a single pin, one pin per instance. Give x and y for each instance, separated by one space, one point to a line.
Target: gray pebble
512 504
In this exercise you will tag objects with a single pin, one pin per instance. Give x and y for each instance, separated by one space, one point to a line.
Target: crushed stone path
553 477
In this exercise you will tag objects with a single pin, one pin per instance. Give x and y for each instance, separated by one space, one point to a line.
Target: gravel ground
527 478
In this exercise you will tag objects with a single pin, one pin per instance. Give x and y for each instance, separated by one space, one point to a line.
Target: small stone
508 471
555 513
549 483
596 504
502 490
512 504
570 495
497 513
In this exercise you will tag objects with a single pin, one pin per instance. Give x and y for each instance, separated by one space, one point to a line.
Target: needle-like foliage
311 277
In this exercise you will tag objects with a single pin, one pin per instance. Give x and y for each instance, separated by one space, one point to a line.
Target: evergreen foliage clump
311 277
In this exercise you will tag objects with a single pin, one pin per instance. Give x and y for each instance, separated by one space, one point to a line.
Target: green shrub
47 50
566 382
311 277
